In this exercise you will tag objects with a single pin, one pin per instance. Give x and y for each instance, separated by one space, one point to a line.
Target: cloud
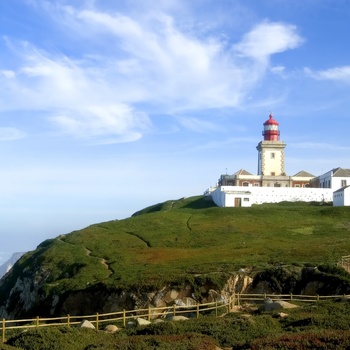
341 74
198 125
129 65
74 95
11 134
118 121
268 38
321 146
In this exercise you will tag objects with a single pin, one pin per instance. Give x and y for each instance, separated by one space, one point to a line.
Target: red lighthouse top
271 132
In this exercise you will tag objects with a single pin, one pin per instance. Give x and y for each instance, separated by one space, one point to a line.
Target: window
272 155
277 185
245 184
256 185
296 185
343 183
273 173
246 199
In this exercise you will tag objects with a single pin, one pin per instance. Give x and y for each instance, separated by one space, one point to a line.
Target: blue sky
107 107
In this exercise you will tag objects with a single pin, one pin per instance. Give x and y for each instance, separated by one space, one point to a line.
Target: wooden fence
152 313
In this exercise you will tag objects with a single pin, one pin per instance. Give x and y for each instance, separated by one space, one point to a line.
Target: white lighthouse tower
271 150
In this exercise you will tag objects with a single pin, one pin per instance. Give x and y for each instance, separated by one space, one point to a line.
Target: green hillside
179 239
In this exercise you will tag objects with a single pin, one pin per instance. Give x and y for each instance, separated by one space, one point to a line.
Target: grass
177 239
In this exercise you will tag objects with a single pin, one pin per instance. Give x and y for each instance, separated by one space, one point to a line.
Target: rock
174 294
282 315
111 328
142 322
131 324
179 302
270 305
286 305
178 318
86 324
158 320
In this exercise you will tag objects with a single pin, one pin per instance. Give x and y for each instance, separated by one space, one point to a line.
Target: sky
107 107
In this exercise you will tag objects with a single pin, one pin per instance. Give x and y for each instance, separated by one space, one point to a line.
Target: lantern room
271 132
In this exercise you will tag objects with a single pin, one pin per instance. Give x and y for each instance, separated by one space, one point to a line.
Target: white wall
338 199
224 196
342 198
337 182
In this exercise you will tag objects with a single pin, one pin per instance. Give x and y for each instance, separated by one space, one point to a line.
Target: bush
226 331
327 340
174 342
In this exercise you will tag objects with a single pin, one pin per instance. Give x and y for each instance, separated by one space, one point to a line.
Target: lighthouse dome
271 121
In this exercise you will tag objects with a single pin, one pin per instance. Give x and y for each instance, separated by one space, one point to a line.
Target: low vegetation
320 325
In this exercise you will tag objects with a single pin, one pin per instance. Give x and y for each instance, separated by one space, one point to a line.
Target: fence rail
152 313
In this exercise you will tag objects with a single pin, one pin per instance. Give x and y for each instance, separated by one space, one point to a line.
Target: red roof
271 121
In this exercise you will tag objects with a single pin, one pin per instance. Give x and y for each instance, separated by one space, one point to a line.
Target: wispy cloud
341 74
132 64
11 134
267 39
198 125
320 146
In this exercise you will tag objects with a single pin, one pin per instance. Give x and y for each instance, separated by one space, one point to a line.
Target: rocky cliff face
25 295
29 290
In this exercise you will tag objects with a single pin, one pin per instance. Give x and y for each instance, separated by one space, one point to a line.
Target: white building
271 184
334 179
341 197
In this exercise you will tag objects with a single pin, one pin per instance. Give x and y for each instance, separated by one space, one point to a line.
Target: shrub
326 340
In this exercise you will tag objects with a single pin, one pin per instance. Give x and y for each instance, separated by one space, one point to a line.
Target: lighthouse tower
271 150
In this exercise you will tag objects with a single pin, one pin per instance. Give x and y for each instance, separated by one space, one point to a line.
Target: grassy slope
192 236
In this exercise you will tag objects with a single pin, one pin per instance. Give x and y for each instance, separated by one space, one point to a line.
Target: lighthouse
271 150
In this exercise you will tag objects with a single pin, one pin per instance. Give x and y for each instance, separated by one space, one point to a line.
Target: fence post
216 308
238 301
291 296
124 318
97 321
68 320
3 330
174 310
318 298
197 310
149 313
37 321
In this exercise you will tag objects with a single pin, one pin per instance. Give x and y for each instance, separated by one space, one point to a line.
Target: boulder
178 318
286 304
270 305
142 322
86 324
158 320
111 328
